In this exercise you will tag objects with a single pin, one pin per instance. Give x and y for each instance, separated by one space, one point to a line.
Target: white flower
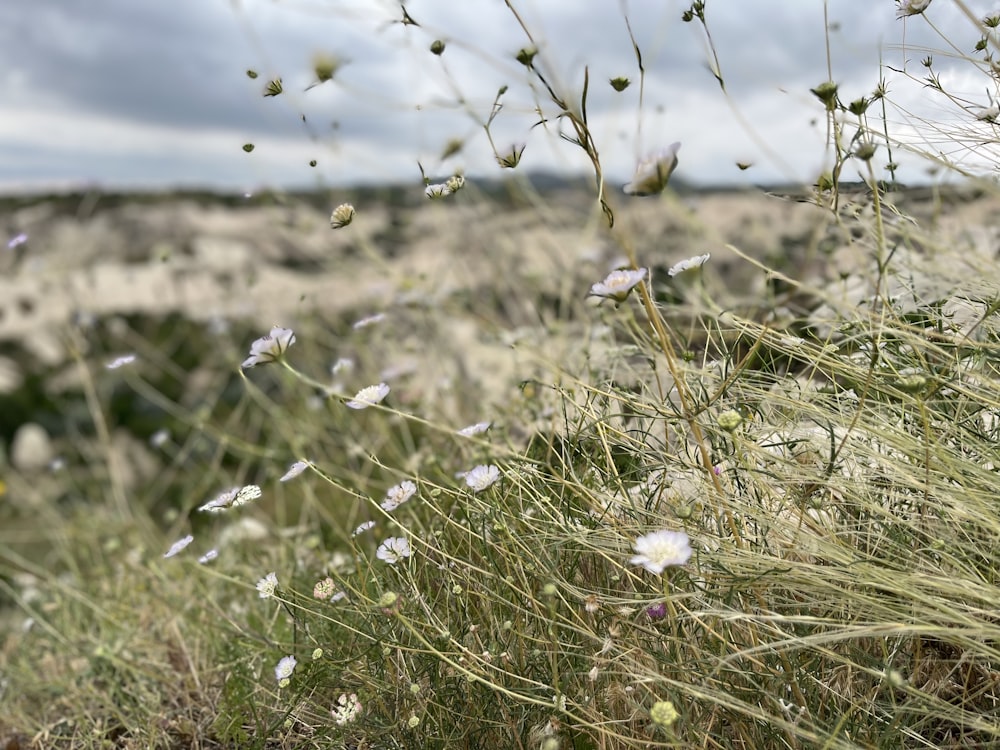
475 429
220 502
267 585
989 114
653 172
341 365
482 476
369 396
246 494
618 284
347 709
159 438
659 549
455 183
439 190
393 549
398 494
294 470
911 7
179 545
342 216
19 239
696 262
363 528
208 556
284 668
125 359
269 348
369 321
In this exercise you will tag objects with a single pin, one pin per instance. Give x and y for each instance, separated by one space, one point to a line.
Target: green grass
832 460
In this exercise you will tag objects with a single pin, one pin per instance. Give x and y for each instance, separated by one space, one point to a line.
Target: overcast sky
148 93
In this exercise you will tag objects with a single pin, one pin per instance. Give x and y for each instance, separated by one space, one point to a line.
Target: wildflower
274 87
663 713
220 502
246 494
267 585
653 173
368 321
269 348
659 549
323 589
159 438
475 429
179 545
989 114
117 362
341 365
393 549
347 709
342 216
911 7
730 420
294 470
455 183
695 262
482 476
398 494
369 396
16 240
620 83
512 158
591 603
285 668
208 556
413 722
338 596
325 66
657 611
363 528
439 190
618 284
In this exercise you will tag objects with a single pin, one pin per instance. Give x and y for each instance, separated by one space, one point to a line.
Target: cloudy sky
146 93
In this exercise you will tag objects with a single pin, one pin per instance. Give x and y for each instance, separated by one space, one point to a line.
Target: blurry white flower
482 476
340 595
363 528
269 348
294 470
159 438
660 549
989 114
653 173
179 545
369 321
398 494
220 502
341 365
16 240
346 709
393 549
438 190
455 183
245 495
618 284
284 668
342 215
369 396
911 7
475 429
208 556
125 359
688 263
267 585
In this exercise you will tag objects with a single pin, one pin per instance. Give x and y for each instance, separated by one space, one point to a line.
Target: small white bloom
369 396
660 549
989 114
179 545
475 429
455 183
340 595
294 470
363 528
653 172
208 556
342 216
347 709
220 502
696 262
267 585
16 240
159 438
439 190
398 494
344 364
911 7
393 549
284 668
246 494
269 348
618 284
368 321
480 477
125 359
